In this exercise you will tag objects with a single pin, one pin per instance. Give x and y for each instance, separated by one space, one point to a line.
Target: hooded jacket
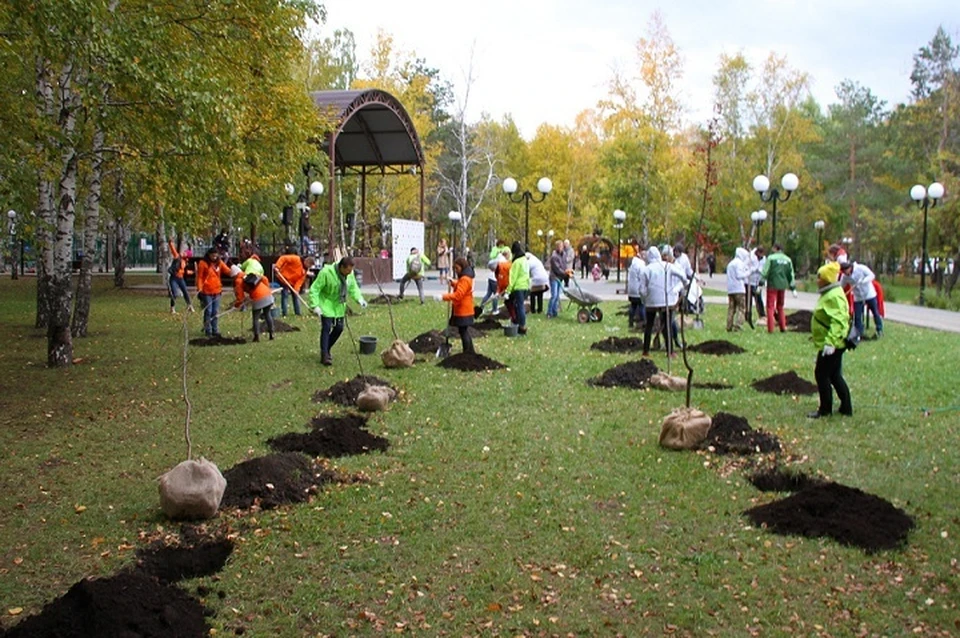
738 271
660 282
634 274
325 291
831 320
861 279
462 294
538 274
519 271
261 296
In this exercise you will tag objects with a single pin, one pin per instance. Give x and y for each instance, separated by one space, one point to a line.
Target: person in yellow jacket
828 329
290 271
328 300
462 299
258 289
519 287
209 289
178 268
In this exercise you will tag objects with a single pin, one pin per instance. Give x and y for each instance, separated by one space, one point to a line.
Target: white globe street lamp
926 198
761 184
510 186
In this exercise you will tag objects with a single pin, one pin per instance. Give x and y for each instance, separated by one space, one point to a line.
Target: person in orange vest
462 298
292 275
178 267
257 287
209 289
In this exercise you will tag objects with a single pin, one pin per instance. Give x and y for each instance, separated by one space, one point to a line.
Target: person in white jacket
660 286
636 316
860 278
738 272
539 282
758 256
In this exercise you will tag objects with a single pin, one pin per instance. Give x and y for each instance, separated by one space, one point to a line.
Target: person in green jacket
417 262
328 300
829 327
778 274
519 287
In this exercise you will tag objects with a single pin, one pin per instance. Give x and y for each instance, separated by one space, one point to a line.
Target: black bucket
368 345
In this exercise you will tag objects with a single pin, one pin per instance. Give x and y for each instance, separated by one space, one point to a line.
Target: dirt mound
472 332
780 480
346 392
800 321
332 436
712 385
785 383
278 326
488 324
633 374
427 343
217 341
470 362
718 347
619 344
270 481
731 434
385 298
127 604
172 563
845 514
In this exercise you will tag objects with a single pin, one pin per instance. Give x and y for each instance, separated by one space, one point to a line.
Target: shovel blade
443 351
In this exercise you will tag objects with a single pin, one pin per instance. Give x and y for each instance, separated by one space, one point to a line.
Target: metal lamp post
544 186
619 217
924 197
546 244
758 217
819 225
454 216
12 216
761 184
314 190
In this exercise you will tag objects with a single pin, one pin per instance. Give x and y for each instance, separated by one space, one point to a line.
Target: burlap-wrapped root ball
192 490
375 398
664 381
684 429
398 355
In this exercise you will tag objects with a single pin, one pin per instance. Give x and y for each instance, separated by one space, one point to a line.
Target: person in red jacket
209 289
178 266
462 299
257 288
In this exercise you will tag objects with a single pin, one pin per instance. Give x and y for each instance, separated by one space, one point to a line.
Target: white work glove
438 297
363 303
794 293
317 312
828 350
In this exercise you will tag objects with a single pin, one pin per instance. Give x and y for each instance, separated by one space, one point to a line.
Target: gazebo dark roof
373 134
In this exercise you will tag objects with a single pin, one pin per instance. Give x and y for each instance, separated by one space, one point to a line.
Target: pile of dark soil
785 383
619 344
800 321
731 434
332 436
488 324
472 332
470 362
128 604
173 563
385 298
346 392
711 385
779 480
633 374
270 481
217 341
278 326
427 343
717 346
845 514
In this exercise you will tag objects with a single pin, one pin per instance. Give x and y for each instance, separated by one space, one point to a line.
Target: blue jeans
283 302
491 292
175 284
858 312
553 308
330 330
519 298
211 308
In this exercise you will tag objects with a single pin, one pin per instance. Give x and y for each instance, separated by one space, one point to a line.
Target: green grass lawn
516 502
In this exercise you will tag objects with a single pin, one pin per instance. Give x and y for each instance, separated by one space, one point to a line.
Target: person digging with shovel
462 299
328 300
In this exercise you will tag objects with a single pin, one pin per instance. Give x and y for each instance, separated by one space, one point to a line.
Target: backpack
250 281
415 264
174 267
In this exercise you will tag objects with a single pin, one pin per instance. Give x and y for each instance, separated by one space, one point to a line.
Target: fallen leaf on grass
15 611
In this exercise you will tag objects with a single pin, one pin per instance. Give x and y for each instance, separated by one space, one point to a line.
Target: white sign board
407 234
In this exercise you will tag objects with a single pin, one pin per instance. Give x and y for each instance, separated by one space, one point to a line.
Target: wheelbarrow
586 302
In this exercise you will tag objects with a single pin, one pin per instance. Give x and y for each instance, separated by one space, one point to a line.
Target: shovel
694 293
444 350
